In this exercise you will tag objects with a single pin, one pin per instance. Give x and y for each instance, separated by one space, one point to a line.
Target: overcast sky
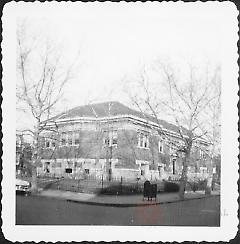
116 39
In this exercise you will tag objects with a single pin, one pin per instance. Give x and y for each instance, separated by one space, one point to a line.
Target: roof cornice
133 118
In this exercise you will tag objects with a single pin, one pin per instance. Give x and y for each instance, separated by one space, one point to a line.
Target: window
78 164
140 140
70 164
114 138
46 167
110 138
87 171
76 138
201 153
172 147
63 139
50 142
53 164
106 141
47 143
143 140
70 139
160 146
58 164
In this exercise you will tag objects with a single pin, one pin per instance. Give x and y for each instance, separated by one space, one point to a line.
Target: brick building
23 155
19 146
110 140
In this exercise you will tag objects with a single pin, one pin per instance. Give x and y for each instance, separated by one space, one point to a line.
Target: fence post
102 182
121 184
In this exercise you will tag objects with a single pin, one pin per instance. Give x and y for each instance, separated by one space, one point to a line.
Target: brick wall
123 156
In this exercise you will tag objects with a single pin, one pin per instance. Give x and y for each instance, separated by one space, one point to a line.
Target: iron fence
117 185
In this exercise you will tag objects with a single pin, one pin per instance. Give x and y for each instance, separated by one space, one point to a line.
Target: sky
115 40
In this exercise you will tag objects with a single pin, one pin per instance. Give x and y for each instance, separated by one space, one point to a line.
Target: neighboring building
110 140
23 156
19 148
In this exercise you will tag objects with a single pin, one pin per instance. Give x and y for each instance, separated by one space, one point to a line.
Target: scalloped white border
229 194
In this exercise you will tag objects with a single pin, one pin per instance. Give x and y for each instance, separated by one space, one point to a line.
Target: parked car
23 186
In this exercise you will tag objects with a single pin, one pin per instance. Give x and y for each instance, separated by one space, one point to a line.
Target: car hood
22 182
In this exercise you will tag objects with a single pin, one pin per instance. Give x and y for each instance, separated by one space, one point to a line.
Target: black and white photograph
120 121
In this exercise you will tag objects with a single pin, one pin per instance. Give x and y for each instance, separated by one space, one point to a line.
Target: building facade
111 140
23 156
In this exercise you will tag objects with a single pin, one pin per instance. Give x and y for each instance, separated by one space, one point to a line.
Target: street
35 210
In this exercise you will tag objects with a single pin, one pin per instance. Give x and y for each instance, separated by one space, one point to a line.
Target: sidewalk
122 201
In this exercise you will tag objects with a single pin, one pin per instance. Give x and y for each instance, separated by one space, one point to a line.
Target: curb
125 205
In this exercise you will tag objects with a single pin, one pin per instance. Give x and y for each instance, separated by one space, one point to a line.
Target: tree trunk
34 178
35 158
208 188
209 180
183 180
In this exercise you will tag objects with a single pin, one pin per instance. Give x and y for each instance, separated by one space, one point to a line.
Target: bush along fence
119 186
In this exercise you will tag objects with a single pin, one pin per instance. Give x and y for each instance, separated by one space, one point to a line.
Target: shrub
196 185
121 190
171 187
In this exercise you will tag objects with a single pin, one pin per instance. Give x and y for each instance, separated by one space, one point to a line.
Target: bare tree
42 75
187 103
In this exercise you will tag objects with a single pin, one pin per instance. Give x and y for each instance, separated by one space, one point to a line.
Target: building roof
113 108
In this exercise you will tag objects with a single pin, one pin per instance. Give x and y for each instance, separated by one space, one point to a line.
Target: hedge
171 187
